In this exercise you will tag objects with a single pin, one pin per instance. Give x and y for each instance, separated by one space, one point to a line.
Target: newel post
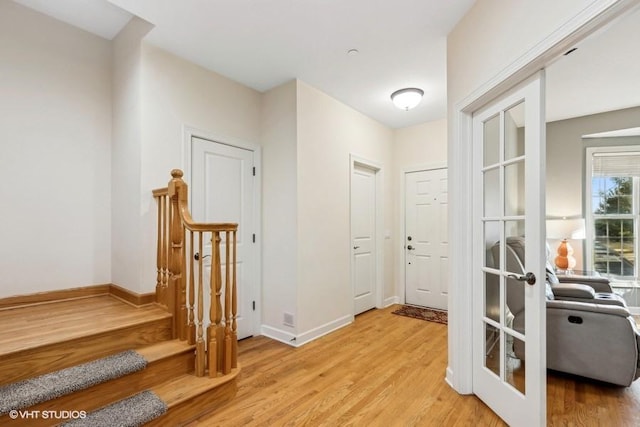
177 298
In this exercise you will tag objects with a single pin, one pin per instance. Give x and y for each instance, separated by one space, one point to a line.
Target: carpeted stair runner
133 411
46 387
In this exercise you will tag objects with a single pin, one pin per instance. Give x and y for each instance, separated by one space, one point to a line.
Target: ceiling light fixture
408 98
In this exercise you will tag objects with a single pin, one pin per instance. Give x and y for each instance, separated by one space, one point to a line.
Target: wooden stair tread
39 325
185 387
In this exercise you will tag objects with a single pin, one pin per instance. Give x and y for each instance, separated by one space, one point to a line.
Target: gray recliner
590 331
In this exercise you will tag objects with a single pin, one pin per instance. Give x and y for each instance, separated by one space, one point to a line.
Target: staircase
123 359
42 338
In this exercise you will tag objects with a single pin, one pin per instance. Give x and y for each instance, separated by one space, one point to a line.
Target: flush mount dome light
406 99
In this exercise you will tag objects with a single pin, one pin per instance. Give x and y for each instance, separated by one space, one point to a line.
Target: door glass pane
514 132
492 296
514 229
492 193
492 141
514 189
515 372
492 246
514 265
492 349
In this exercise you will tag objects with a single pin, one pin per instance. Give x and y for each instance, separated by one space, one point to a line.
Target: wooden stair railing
180 286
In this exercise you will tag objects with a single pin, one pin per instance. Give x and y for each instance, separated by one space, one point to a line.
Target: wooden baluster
216 336
227 307
159 244
192 293
200 344
234 307
165 250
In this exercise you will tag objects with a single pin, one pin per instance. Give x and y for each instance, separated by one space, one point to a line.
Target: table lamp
564 229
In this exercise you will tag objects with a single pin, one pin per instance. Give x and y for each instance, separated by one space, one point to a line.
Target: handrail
181 289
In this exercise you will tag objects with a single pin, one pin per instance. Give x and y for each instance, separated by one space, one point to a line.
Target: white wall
279 209
55 128
328 131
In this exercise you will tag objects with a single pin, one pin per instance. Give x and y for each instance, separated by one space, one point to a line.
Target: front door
426 238
363 237
509 339
222 190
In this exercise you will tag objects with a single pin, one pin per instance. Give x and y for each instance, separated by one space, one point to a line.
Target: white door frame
402 280
379 232
190 132
595 16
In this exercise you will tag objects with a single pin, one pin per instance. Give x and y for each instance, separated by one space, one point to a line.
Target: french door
509 339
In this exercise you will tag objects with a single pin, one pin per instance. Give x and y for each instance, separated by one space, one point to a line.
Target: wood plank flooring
388 370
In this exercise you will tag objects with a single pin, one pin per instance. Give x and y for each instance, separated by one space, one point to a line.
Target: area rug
66 381
422 313
130 412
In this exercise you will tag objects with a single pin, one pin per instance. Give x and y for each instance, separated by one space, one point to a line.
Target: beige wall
328 131
178 93
566 163
126 157
55 128
279 209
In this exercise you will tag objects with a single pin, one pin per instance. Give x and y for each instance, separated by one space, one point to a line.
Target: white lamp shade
406 99
564 228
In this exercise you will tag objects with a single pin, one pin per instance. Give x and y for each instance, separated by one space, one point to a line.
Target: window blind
621 164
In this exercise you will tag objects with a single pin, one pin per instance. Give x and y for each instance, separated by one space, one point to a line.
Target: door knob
197 256
529 277
410 247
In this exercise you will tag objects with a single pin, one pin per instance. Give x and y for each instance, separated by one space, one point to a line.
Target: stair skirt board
50 386
130 412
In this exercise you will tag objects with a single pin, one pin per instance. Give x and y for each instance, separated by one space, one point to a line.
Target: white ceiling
264 43
603 74
402 43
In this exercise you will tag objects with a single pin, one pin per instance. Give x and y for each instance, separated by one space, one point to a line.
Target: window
613 210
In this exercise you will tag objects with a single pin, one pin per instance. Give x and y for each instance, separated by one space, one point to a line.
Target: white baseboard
391 300
448 378
322 330
278 335
305 337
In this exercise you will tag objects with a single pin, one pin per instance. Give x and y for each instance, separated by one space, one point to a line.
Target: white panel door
363 233
509 339
426 239
222 190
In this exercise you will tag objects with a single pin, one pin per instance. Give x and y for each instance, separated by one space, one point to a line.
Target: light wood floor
388 370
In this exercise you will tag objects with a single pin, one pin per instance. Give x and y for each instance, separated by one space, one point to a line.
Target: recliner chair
590 331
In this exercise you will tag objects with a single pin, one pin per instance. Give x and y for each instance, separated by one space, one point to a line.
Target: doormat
422 313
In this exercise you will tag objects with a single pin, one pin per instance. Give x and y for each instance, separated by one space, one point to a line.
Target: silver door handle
529 277
356 247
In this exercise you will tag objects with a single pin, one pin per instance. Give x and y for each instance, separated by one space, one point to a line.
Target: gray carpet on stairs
50 386
133 411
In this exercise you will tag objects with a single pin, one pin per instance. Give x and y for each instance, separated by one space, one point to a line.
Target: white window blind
621 164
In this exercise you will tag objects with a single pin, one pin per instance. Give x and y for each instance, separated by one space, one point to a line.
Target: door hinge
254 305
254 171
254 237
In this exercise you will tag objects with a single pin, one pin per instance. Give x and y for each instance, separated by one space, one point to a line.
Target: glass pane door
509 340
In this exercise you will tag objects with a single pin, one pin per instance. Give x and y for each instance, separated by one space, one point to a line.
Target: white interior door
509 200
363 237
426 239
222 190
